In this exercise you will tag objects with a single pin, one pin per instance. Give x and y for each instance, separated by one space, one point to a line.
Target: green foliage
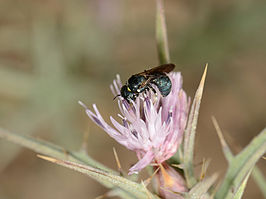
259 179
240 190
161 34
241 165
132 189
190 132
202 187
82 163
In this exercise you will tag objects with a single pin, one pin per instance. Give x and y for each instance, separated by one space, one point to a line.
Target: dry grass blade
190 132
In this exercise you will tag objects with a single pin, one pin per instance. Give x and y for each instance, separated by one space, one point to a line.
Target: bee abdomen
164 84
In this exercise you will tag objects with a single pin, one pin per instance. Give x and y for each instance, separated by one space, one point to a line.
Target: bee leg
147 89
135 96
153 90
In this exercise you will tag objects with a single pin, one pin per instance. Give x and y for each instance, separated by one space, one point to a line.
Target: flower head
168 183
152 125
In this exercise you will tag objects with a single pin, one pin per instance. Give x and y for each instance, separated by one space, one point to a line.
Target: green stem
161 34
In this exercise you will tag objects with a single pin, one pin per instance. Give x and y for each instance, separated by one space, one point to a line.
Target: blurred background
54 53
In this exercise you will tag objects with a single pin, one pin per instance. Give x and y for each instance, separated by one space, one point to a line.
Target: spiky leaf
241 164
133 189
190 132
202 187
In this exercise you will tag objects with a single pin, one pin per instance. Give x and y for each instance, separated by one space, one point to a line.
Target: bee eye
128 89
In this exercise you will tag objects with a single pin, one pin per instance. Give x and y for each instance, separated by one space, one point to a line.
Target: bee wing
147 81
165 68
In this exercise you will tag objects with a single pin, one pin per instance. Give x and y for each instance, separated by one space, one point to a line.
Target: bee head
127 94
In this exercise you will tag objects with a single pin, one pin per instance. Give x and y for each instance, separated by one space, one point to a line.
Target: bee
144 81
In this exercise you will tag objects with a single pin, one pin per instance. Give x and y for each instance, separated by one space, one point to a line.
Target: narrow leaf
256 173
227 152
242 164
241 189
46 148
202 187
161 34
132 188
259 179
115 192
190 132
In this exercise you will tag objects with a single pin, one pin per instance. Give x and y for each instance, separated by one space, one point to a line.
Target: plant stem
161 34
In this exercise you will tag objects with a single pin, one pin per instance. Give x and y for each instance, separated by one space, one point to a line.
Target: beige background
54 53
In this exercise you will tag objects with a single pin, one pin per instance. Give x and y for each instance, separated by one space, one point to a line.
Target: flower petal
146 160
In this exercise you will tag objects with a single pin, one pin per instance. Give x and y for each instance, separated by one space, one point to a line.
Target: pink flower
152 125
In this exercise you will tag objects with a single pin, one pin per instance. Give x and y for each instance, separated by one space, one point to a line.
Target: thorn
204 168
147 181
198 163
202 81
50 159
118 162
66 153
227 151
179 166
219 132
146 190
82 104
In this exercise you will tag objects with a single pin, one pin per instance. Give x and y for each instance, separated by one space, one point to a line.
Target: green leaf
161 34
242 187
49 149
256 173
133 189
241 164
190 132
259 179
227 152
201 188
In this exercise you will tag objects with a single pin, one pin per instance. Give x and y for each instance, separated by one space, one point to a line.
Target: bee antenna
116 96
